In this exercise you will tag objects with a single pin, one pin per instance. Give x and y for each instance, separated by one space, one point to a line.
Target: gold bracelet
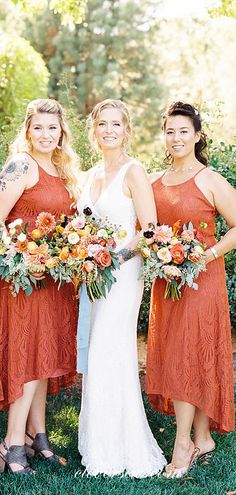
214 252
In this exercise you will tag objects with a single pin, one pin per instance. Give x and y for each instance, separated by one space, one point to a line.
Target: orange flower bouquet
173 254
77 249
83 252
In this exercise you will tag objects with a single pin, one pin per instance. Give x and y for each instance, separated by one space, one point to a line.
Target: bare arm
225 202
13 181
143 198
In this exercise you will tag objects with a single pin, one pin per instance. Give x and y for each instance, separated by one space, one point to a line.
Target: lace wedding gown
114 435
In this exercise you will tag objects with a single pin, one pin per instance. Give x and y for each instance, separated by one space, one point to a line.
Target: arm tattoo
13 171
126 254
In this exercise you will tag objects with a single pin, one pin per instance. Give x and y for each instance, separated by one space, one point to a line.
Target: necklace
177 170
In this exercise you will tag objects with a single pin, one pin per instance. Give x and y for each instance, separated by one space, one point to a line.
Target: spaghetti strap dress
189 355
38 332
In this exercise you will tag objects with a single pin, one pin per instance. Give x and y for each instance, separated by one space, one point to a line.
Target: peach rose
178 254
88 266
103 258
195 257
52 262
64 254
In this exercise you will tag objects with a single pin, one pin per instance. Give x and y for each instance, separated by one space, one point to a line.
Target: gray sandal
40 443
16 454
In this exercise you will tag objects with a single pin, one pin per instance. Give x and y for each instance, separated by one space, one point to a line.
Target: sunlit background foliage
141 51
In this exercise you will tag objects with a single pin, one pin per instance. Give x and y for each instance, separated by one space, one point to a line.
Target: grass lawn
216 478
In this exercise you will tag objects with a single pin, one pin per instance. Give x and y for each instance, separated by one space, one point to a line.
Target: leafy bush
23 76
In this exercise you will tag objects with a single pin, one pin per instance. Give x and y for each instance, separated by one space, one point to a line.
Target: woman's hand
38 275
209 256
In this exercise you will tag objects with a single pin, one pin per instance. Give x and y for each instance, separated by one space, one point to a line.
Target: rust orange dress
189 354
38 332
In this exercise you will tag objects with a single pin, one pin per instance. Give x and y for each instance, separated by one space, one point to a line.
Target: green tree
226 7
71 11
23 75
108 55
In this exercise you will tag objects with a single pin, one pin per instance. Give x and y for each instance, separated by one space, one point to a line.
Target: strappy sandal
171 471
39 444
15 454
206 457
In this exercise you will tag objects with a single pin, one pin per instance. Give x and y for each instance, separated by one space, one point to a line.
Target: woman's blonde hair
95 115
63 157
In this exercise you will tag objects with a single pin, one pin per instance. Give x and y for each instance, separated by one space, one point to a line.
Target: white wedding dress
114 435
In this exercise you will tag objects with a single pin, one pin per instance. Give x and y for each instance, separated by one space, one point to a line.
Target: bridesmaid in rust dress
189 360
37 333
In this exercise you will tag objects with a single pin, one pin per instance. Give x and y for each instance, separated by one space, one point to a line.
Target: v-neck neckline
109 185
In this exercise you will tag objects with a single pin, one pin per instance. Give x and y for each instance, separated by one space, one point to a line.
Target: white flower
6 239
102 233
73 238
21 237
171 271
17 223
164 255
198 249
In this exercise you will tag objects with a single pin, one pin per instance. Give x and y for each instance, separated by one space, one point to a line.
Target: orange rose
88 266
64 254
52 262
195 257
36 234
178 254
103 258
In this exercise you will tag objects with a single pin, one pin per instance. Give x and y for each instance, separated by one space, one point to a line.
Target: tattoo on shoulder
13 171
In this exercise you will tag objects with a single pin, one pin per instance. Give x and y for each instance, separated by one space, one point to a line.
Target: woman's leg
36 418
17 418
202 435
184 446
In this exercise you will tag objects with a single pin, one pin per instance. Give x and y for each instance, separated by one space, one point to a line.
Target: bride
114 435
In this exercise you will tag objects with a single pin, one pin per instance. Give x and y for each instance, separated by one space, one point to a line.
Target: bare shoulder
214 179
153 176
16 168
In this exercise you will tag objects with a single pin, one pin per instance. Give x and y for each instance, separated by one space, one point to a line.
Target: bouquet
78 249
83 252
174 254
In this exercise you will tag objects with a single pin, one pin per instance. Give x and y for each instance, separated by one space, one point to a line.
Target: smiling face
110 129
180 136
44 132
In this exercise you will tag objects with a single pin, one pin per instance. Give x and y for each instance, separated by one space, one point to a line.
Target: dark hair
180 108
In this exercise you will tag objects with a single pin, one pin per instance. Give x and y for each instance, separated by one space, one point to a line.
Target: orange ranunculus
103 258
195 257
88 266
75 251
36 234
52 262
178 254
32 247
64 254
82 253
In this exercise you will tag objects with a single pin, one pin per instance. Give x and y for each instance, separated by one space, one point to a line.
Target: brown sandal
16 454
40 443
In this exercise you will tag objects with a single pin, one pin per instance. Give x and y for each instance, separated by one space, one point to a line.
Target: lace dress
38 332
189 354
114 435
